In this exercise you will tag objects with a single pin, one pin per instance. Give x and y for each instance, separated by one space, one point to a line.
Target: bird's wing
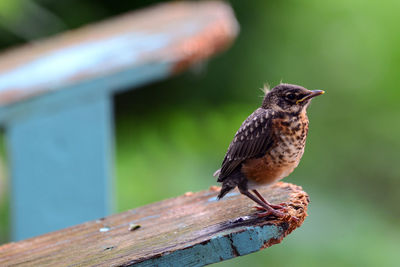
251 140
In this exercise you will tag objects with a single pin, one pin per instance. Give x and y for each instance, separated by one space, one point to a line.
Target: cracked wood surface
191 230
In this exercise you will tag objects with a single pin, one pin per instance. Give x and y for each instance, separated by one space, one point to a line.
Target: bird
268 145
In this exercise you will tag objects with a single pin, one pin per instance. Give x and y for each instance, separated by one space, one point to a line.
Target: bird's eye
291 96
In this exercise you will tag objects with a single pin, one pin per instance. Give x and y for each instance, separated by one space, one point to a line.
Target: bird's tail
226 187
228 182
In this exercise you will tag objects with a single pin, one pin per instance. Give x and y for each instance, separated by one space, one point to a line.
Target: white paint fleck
104 229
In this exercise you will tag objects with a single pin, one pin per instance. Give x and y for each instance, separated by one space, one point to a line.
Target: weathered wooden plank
190 230
178 33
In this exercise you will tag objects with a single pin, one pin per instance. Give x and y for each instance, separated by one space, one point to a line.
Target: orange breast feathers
263 171
285 154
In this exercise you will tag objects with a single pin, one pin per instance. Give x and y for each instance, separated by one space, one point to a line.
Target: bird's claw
294 219
266 213
276 213
280 206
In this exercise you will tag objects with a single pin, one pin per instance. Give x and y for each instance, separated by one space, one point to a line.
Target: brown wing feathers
251 140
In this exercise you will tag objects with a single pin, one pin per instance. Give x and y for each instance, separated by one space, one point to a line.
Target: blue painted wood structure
57 111
191 230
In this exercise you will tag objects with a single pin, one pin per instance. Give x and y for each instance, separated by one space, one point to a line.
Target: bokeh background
351 167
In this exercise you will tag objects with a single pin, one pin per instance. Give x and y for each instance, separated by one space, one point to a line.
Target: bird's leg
267 209
279 206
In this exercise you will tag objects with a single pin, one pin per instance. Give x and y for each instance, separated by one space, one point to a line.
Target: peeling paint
218 248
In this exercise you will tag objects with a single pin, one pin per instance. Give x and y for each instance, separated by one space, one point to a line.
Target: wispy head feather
265 89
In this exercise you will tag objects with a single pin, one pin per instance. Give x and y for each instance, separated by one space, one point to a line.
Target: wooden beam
174 35
191 230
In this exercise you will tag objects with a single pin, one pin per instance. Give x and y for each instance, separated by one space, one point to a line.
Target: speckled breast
289 138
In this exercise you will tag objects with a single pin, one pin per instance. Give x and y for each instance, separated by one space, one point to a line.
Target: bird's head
289 98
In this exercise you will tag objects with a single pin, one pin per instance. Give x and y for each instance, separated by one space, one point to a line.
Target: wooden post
67 155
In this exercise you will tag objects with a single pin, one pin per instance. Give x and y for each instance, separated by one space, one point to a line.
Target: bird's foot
269 212
280 206
276 213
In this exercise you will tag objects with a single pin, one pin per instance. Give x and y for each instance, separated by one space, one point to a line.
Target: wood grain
191 230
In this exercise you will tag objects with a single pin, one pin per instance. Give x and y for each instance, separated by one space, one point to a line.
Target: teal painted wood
33 127
62 161
175 33
235 242
126 79
61 167
55 68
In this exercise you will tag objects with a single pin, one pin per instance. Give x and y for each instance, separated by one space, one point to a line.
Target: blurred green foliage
172 135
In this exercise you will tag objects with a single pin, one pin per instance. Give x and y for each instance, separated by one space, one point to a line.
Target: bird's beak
312 94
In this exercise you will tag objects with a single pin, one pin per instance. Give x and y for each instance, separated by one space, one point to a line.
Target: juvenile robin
268 145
